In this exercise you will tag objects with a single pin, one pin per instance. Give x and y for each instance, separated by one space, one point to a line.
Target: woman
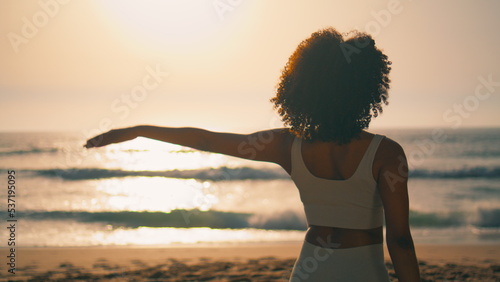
348 178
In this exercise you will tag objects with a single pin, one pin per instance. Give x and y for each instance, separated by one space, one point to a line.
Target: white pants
365 263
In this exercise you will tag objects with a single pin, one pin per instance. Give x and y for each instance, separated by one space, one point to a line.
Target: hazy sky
87 65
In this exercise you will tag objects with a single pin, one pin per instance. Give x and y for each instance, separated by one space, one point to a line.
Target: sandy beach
249 262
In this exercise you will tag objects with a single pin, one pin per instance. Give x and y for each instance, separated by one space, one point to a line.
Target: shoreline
270 261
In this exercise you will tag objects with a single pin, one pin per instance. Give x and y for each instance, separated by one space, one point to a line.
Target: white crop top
352 203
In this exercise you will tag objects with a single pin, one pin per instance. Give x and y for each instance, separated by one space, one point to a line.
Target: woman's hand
110 137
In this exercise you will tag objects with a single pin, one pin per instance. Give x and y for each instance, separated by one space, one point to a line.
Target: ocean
148 193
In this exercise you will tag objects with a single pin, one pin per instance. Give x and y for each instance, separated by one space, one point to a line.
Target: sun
161 21
144 154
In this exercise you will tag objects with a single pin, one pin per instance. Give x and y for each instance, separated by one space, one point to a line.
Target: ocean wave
175 218
488 218
28 151
243 173
285 220
483 218
431 219
472 172
214 174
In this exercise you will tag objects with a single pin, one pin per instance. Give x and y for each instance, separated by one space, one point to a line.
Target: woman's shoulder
390 146
281 134
390 154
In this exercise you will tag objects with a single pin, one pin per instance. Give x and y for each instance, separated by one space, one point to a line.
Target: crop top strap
296 154
367 161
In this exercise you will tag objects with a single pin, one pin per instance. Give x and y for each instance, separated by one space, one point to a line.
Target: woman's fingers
103 139
110 137
96 141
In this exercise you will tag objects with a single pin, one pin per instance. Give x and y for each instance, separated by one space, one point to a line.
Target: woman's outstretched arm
393 188
264 145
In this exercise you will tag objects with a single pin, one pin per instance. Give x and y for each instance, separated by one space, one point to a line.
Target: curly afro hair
332 86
